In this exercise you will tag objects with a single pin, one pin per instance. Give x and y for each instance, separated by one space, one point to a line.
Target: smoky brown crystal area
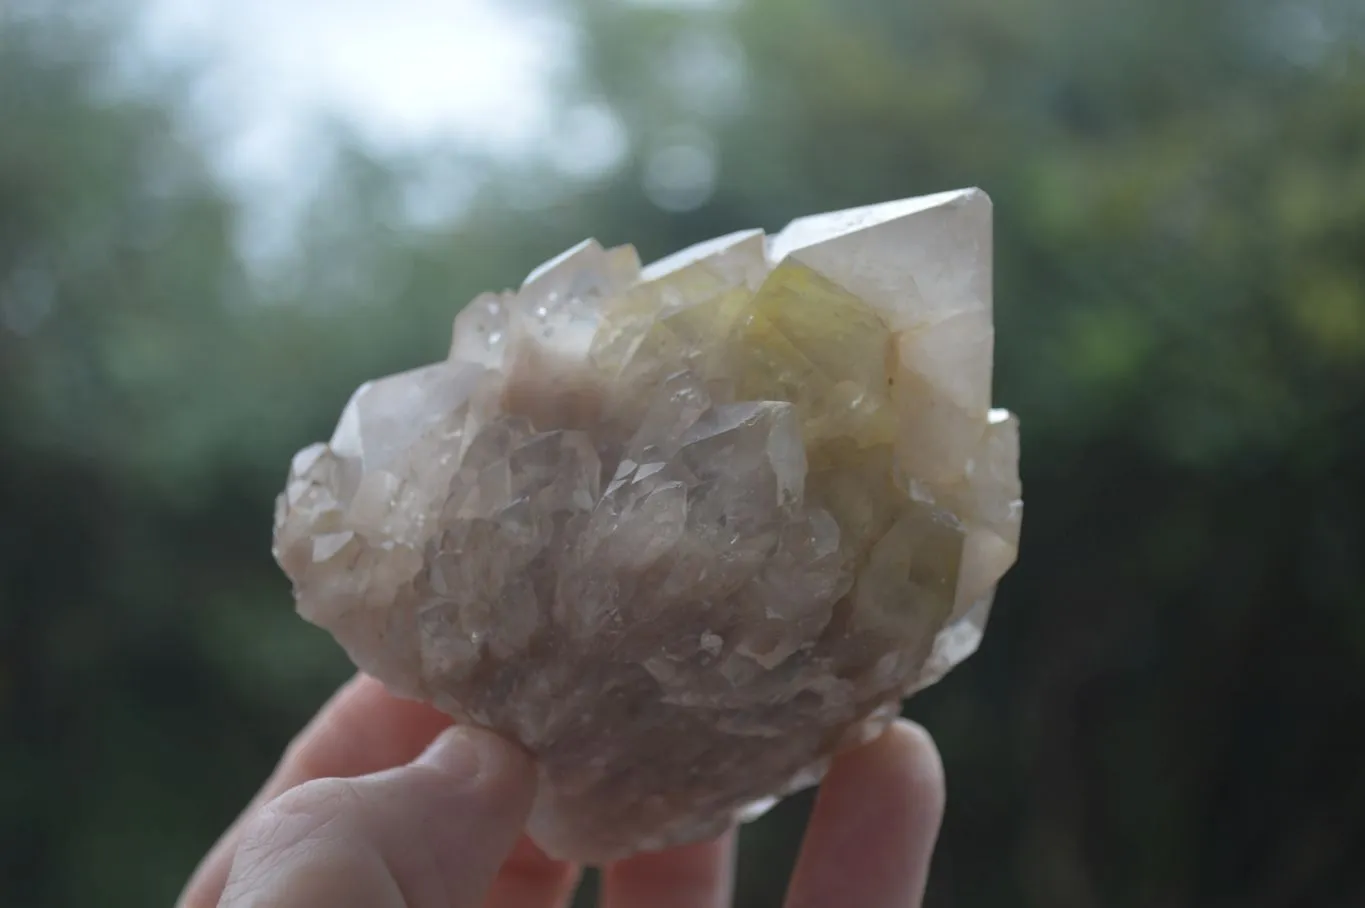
686 531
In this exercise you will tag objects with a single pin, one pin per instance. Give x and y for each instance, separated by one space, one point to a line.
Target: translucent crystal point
682 531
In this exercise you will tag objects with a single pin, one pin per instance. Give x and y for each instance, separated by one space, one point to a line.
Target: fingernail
473 754
461 752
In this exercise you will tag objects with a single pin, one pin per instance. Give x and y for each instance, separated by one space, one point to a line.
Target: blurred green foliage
1167 709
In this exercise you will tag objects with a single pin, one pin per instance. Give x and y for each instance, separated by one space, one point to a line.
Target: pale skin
380 803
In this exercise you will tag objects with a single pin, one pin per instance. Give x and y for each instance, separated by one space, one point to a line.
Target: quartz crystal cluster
684 532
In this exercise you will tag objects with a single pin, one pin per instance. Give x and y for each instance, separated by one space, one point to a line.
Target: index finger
363 729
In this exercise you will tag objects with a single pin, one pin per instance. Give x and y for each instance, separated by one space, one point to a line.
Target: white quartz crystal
685 531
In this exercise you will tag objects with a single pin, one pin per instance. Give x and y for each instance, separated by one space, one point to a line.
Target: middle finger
694 876
530 879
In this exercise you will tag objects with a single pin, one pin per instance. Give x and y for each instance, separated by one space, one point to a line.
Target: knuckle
300 841
311 810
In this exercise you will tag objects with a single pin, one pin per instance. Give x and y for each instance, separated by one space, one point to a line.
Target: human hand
378 803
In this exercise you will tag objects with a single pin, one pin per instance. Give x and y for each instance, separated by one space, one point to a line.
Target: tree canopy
1163 712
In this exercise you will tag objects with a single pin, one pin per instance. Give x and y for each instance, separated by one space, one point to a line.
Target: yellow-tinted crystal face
678 321
808 341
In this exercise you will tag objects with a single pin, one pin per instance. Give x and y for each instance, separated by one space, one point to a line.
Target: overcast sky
402 71
406 74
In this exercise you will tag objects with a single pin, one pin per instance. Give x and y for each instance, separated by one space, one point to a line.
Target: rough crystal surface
684 531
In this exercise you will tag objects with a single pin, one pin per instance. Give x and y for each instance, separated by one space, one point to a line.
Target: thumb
431 834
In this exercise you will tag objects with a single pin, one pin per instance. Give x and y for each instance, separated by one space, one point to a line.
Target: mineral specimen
686 531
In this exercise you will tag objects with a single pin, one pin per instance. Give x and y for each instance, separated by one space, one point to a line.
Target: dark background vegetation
1166 709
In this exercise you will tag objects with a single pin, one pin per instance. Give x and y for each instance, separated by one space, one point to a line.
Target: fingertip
916 740
904 770
474 758
474 783
909 745
904 752
473 791
876 820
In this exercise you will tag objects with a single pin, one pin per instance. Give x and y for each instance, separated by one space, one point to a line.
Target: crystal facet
686 531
